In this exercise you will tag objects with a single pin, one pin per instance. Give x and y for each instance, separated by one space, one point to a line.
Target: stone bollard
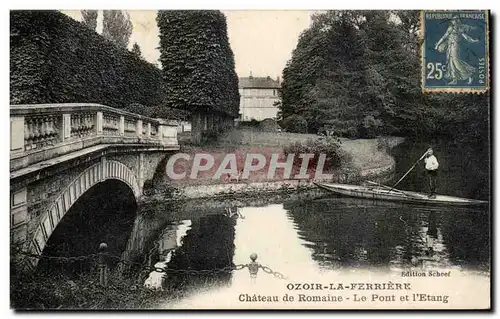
253 267
102 264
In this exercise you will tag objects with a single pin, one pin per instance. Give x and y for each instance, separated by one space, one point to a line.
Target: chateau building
257 97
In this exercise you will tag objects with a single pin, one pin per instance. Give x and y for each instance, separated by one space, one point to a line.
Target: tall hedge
197 62
55 59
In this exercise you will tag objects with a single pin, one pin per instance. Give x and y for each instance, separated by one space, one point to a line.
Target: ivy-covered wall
55 59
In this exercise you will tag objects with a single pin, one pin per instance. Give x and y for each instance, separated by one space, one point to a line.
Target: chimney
250 77
278 79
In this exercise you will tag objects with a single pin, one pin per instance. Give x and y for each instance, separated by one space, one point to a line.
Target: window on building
274 92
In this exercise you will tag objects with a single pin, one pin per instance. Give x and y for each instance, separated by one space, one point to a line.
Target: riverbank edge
379 174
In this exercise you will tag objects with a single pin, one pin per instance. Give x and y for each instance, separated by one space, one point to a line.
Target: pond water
315 235
306 236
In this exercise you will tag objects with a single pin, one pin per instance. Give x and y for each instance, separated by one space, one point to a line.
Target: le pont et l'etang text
383 293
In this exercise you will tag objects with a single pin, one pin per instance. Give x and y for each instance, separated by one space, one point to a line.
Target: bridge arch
104 170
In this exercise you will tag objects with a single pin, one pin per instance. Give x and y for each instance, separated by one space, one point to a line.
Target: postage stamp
455 51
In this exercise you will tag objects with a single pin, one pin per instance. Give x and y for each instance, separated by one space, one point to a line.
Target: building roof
253 82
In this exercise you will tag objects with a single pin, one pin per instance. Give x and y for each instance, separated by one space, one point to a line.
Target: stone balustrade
43 131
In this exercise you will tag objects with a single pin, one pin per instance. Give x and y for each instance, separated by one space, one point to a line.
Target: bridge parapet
41 132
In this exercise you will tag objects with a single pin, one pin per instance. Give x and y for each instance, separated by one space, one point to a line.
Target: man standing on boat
431 165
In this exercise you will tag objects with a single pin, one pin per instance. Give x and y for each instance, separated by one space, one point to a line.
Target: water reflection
312 235
347 233
169 241
309 238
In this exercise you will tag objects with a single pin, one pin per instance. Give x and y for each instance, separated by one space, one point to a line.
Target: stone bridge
60 151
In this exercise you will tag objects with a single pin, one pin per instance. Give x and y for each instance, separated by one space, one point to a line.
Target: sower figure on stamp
456 68
431 165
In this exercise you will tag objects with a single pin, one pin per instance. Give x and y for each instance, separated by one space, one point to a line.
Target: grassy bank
371 153
62 292
29 292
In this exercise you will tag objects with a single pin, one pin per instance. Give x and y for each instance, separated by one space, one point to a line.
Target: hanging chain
276 274
61 258
226 269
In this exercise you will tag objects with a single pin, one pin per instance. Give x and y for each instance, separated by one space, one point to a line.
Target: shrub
330 146
340 127
253 124
268 125
39 291
370 127
295 124
352 133
55 59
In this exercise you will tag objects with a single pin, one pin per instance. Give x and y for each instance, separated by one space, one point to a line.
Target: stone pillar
66 127
122 125
18 216
167 132
98 122
148 130
140 171
138 128
16 134
104 168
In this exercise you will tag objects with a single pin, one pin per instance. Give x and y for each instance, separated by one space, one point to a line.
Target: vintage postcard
245 160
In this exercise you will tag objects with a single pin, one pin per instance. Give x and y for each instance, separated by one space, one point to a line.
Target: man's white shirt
431 163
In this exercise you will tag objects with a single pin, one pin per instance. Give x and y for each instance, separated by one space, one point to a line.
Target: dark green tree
89 18
197 62
394 89
357 73
325 68
117 27
56 59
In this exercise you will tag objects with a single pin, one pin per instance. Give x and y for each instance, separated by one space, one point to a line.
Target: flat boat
382 192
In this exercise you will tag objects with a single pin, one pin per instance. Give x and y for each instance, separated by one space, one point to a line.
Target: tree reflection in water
340 234
208 244
357 233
